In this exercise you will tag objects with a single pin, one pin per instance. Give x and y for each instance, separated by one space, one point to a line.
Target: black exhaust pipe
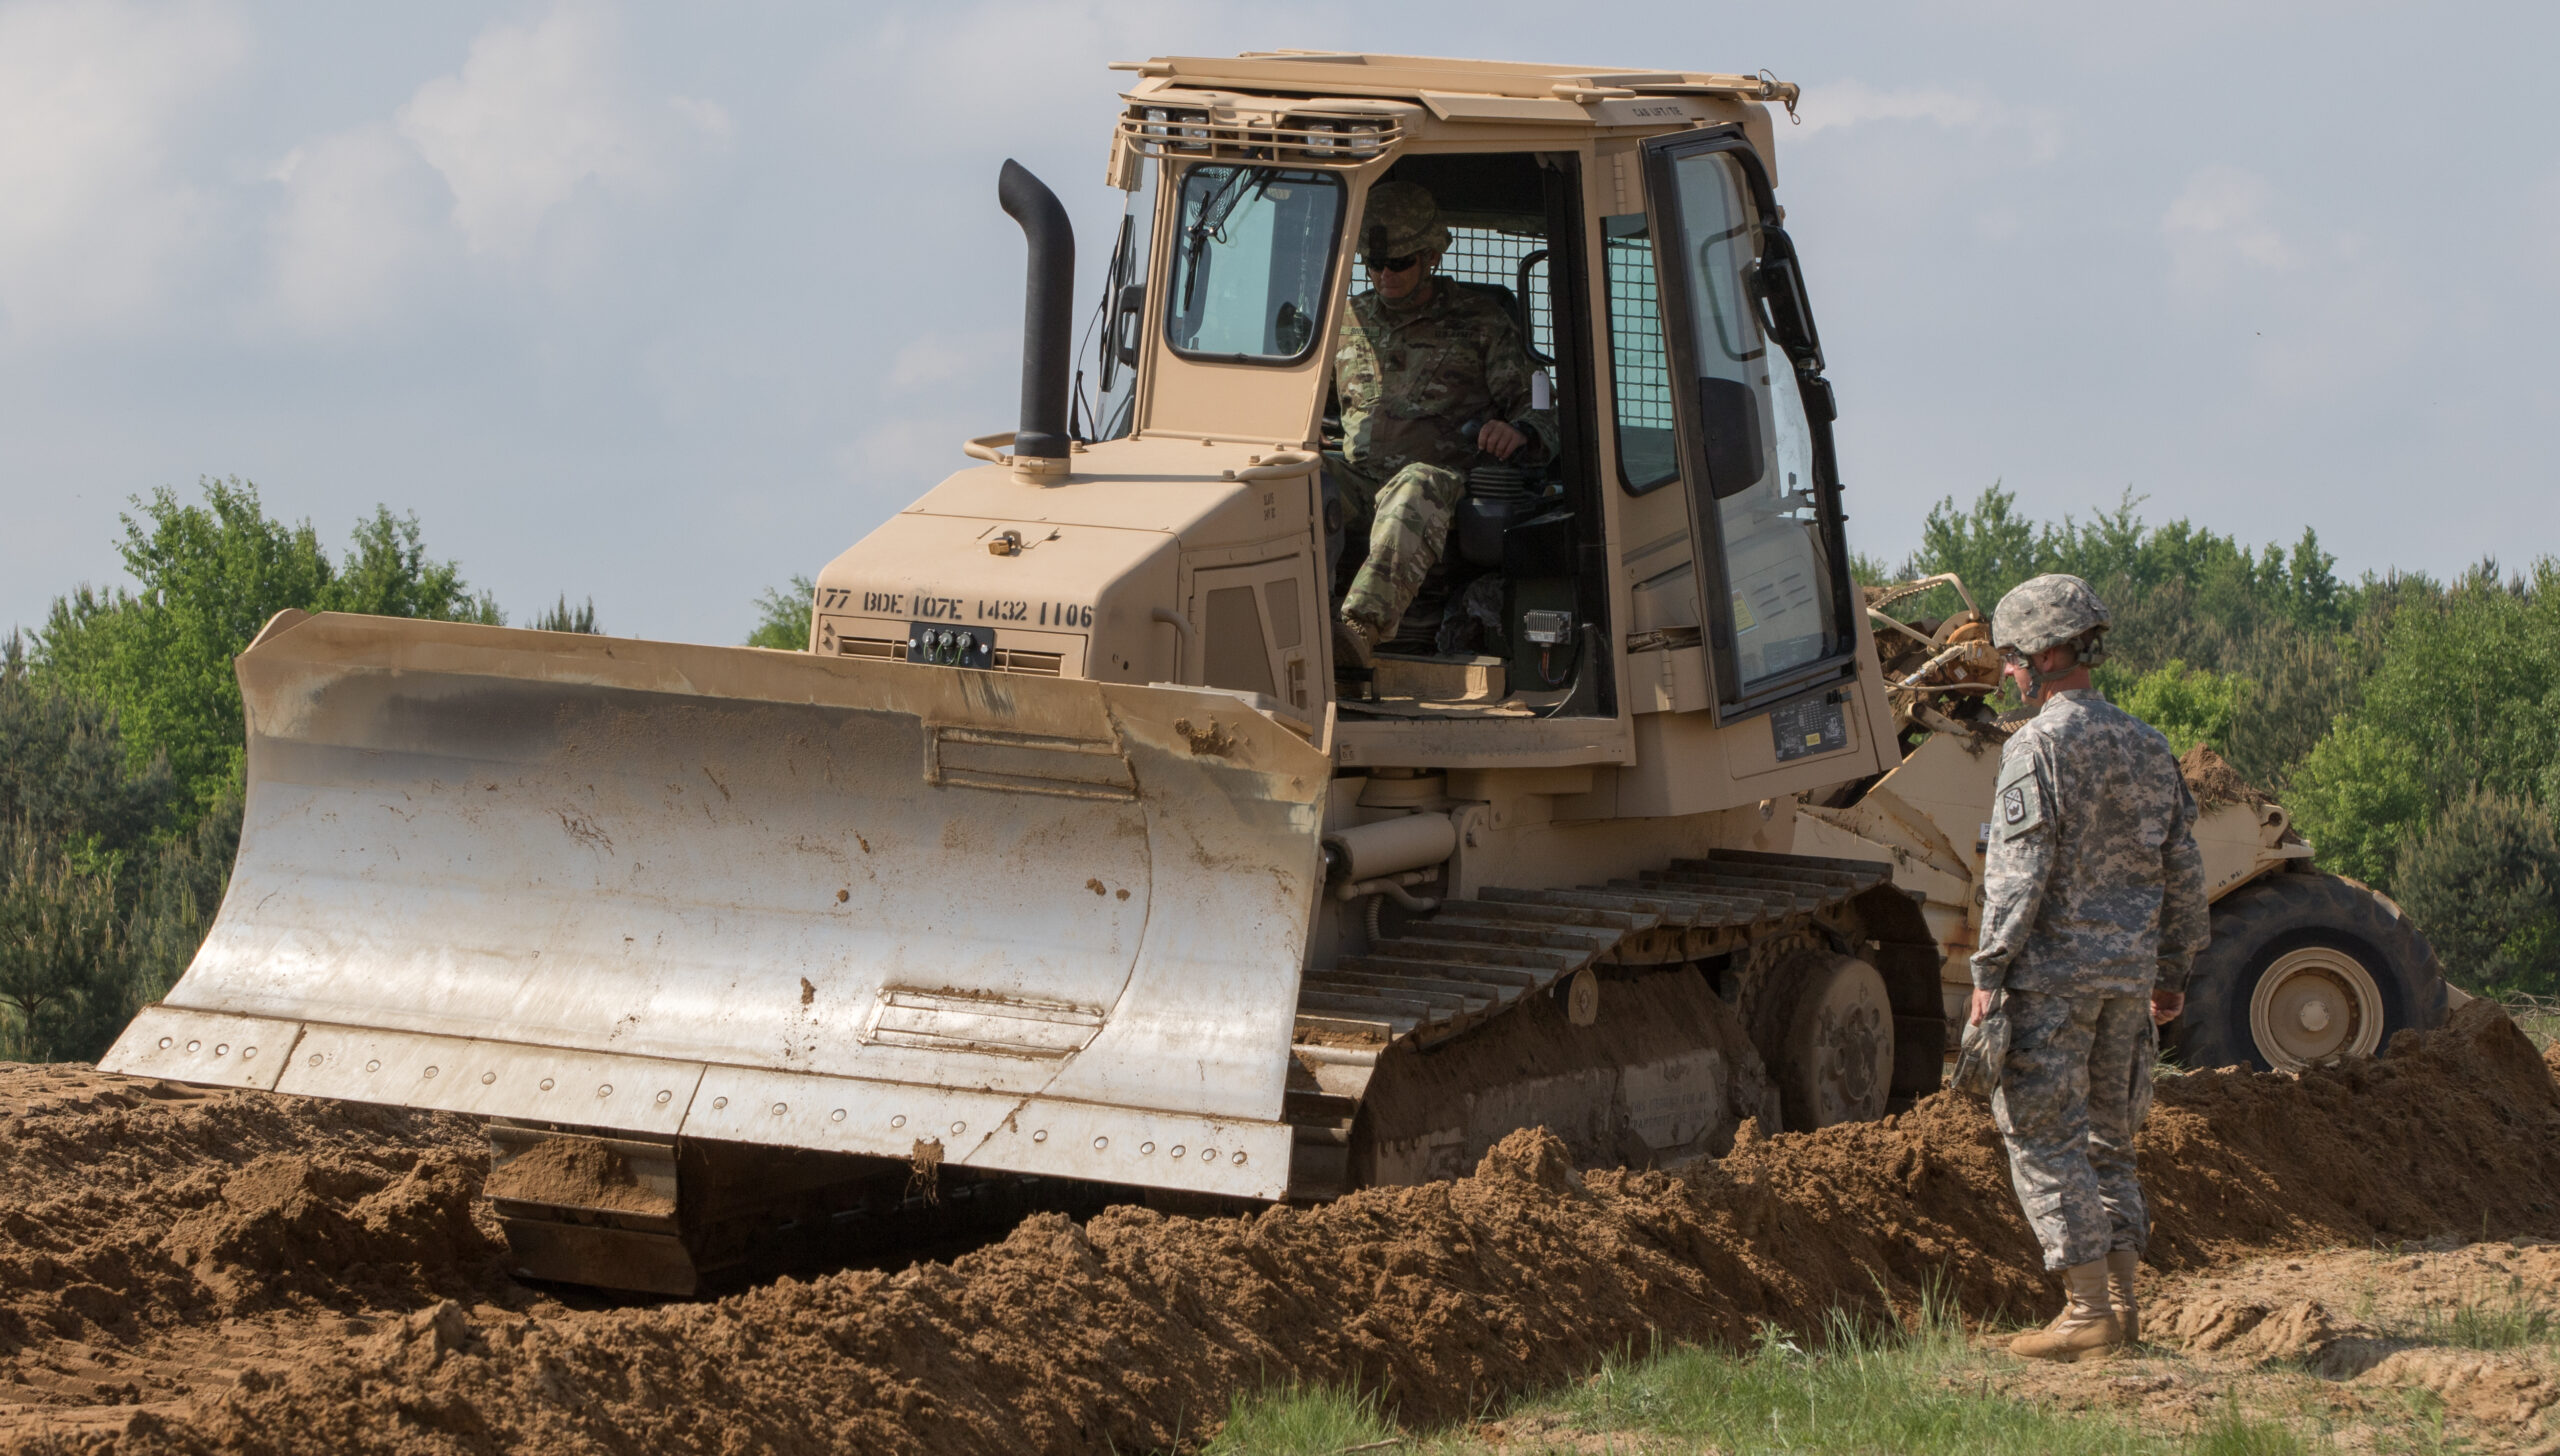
1048 313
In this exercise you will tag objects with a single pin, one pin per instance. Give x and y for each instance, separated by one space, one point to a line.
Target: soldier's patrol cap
2046 611
1402 218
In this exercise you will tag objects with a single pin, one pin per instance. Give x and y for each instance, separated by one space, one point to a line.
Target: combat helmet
1402 218
2049 611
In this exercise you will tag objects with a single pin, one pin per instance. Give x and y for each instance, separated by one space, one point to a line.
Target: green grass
1916 1391
2492 1322
1923 1389
1300 1421
1920 1390
2233 1433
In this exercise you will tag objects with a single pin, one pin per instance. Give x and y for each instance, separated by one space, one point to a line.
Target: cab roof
1420 78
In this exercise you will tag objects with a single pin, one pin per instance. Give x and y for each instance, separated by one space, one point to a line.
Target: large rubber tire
2303 969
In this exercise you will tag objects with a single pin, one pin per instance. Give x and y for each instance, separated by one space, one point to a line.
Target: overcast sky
663 305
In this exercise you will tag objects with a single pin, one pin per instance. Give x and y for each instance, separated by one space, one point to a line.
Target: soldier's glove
1984 1049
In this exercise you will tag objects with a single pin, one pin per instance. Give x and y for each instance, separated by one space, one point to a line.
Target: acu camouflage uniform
1409 376
2093 894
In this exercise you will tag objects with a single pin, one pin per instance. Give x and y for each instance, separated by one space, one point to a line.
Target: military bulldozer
1065 856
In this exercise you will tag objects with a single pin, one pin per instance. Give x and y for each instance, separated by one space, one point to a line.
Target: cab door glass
1639 368
1751 438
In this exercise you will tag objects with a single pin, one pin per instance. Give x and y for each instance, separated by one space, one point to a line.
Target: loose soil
2214 781
242 1273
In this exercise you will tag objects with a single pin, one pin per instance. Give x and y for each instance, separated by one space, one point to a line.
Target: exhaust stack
1048 326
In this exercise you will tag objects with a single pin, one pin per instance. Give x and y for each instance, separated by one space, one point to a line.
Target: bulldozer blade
1001 921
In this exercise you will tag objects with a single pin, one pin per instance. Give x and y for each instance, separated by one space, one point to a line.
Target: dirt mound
1130 1331
2214 781
288 1227
129 1206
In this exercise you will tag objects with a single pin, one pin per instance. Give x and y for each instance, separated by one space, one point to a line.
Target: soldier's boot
1355 643
1355 655
2087 1325
2121 1264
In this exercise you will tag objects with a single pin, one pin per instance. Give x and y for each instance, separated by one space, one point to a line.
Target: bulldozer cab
1680 556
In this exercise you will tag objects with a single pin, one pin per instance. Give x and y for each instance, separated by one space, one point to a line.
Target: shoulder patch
2017 806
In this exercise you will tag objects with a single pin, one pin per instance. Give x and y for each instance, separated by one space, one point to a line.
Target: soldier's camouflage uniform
1409 377
2093 895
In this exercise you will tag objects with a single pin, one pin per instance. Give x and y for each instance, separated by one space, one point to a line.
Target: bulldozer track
1476 958
1472 962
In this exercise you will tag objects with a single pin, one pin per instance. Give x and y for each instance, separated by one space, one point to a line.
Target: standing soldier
1420 357
2093 911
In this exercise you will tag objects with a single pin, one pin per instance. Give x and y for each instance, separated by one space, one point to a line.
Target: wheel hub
2313 1004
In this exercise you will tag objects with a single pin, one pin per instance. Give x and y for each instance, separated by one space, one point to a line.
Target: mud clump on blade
576 1172
1122 1332
1533 1156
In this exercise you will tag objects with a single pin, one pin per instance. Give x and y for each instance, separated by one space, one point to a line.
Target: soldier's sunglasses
1396 264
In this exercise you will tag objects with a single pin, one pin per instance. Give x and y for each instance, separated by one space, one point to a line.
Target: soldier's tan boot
2086 1326
2121 1265
1355 644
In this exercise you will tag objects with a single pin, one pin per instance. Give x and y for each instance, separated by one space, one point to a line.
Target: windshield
1252 250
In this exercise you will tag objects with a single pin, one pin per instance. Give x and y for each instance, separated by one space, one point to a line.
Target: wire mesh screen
1642 369
1481 255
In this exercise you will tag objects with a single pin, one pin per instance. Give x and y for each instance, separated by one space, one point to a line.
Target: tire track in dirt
1131 1330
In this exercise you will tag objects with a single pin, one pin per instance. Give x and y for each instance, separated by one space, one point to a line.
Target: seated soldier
1420 357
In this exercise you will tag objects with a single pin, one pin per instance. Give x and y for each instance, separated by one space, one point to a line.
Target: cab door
1752 417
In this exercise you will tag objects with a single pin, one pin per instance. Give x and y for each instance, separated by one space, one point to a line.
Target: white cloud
2219 225
94 224
359 218
2318 312
1840 105
484 162
541 113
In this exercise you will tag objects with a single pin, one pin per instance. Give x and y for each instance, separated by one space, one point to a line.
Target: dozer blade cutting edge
1054 926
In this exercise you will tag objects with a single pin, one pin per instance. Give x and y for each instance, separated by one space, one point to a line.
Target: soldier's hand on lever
1499 440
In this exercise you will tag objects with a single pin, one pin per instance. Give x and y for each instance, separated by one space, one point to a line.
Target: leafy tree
64 772
783 616
2484 882
173 894
209 577
57 929
2190 705
92 860
2465 698
561 617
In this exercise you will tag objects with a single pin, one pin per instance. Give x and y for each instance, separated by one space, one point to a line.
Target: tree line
2411 726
